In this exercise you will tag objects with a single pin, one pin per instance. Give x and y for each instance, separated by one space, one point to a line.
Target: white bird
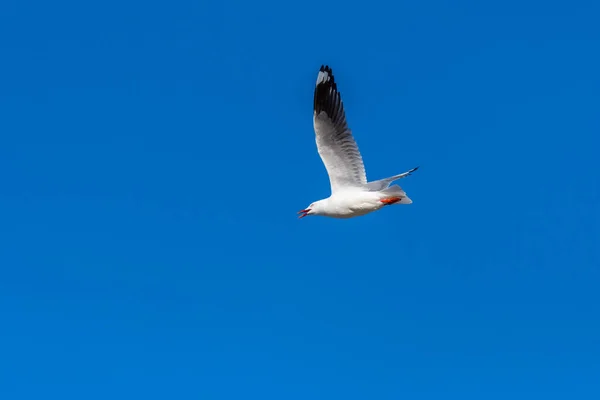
351 194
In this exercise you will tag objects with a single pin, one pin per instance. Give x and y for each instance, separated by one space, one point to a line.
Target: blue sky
154 155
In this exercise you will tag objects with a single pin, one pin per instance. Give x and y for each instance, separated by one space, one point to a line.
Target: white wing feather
336 146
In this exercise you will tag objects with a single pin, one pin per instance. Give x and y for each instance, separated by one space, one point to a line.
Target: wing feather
335 143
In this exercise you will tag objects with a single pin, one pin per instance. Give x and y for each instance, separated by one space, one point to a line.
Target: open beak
303 213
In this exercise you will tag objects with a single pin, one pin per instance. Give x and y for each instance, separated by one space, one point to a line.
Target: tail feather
396 190
382 184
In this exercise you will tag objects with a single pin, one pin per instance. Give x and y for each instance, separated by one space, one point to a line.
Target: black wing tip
327 97
326 68
329 80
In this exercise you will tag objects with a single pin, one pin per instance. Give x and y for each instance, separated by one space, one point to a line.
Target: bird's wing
382 184
335 143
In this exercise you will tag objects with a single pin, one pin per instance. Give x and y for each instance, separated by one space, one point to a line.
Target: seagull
351 194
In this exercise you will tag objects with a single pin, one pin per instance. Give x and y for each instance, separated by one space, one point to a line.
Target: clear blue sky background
153 157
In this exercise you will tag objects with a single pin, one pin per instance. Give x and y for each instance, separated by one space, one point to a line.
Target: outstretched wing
382 184
335 143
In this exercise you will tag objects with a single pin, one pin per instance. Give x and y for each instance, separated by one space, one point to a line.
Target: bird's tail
396 190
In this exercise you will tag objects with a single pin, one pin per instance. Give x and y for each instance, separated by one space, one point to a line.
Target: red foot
390 200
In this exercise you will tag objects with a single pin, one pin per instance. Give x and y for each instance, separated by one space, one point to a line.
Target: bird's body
351 194
354 203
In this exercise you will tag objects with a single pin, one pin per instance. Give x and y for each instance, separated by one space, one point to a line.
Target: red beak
303 213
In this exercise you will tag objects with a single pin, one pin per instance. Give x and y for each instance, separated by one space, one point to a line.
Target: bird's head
313 209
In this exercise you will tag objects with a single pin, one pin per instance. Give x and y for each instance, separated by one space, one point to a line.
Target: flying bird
351 194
